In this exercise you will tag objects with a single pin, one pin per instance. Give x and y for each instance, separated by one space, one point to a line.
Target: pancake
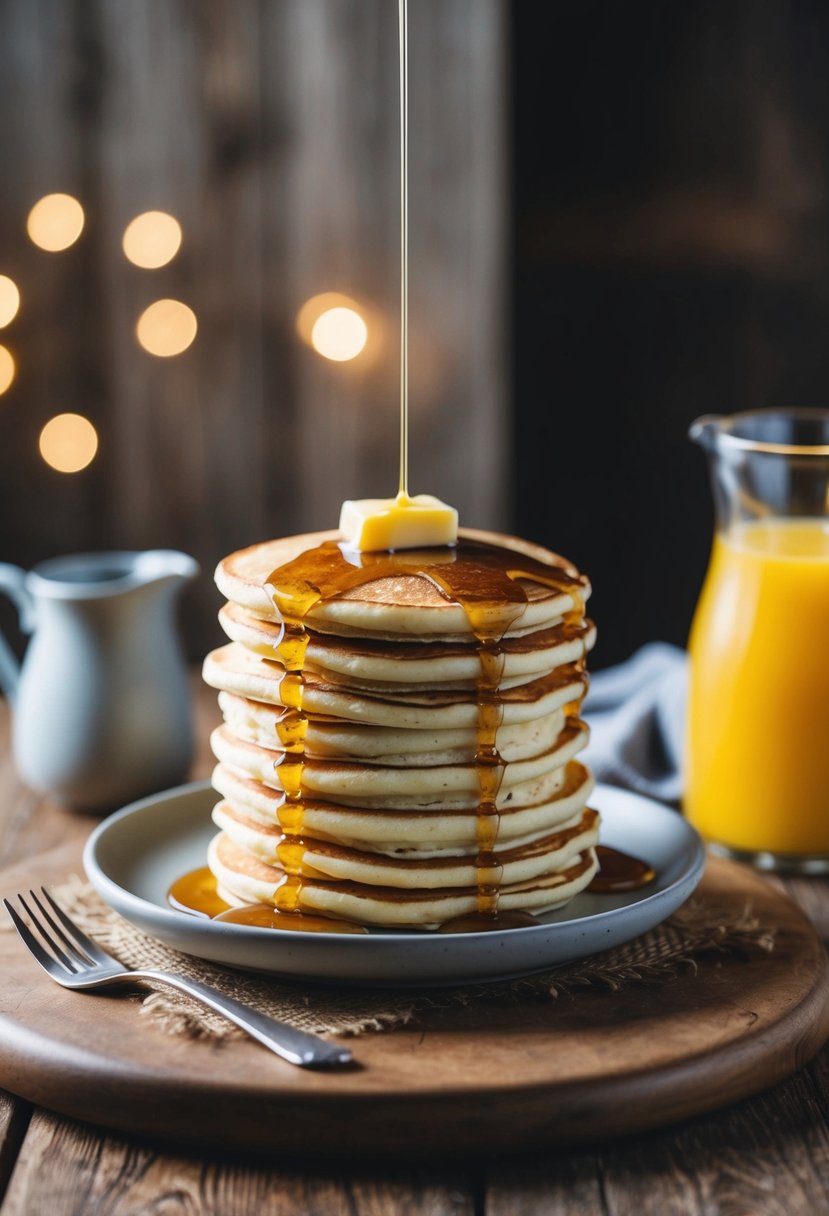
234 668
542 854
450 786
243 879
400 748
257 722
377 665
408 606
391 831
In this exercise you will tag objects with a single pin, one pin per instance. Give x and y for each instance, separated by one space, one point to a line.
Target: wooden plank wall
269 128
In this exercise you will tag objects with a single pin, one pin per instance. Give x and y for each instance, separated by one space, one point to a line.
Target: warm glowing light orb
9 300
152 239
313 309
166 328
339 334
55 222
68 443
7 369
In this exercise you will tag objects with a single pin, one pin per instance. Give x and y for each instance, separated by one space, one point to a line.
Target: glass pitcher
757 755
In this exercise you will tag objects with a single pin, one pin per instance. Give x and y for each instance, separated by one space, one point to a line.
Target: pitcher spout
705 430
164 565
766 464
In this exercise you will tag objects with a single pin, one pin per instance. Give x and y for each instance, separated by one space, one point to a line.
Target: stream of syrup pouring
483 580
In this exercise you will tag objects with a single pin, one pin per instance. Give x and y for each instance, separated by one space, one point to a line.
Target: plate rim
690 874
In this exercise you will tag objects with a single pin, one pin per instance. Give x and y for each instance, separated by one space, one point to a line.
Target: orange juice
757 761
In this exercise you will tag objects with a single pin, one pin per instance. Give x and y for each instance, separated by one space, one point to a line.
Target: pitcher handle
13 583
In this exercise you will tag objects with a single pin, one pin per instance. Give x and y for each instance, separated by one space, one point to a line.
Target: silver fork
76 961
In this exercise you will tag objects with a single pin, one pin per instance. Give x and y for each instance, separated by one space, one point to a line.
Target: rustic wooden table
767 1155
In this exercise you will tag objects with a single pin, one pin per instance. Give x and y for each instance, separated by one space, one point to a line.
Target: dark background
670 238
619 222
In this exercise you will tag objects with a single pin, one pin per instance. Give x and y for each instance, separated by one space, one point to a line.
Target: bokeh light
339 334
313 309
7 369
68 443
166 328
9 300
55 222
152 239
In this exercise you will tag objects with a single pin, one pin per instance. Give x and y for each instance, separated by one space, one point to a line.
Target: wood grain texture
270 131
529 1074
73 1170
768 1156
44 97
15 1116
812 895
756 1157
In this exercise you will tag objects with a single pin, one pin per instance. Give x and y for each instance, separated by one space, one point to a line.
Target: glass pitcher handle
13 583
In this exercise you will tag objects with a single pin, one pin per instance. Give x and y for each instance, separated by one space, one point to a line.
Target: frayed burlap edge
697 929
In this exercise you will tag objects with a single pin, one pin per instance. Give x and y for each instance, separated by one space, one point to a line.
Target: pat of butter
421 522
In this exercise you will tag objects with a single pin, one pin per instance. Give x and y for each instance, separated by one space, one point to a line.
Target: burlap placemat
697 929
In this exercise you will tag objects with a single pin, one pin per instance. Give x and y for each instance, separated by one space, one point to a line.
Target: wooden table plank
15 1115
70 1169
758 1156
570 1185
769 1155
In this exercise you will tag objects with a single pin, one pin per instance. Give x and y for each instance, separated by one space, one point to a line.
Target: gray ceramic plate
135 855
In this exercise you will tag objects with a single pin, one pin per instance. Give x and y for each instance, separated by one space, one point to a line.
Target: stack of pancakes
390 831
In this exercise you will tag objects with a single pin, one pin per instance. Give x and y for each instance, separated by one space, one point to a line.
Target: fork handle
296 1046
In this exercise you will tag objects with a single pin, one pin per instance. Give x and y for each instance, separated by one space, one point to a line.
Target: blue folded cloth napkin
636 713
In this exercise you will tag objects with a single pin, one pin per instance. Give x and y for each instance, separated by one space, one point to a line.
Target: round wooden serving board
539 1073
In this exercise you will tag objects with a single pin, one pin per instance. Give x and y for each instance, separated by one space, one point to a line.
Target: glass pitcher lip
711 430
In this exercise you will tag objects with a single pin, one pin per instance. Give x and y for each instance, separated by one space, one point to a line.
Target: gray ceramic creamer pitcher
101 712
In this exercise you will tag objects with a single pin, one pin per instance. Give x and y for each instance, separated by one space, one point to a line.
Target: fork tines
77 951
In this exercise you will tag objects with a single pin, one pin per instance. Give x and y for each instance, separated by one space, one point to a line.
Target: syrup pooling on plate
263 916
197 892
619 872
482 579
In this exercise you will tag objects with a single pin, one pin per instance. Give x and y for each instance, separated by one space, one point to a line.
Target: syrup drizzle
403 30
482 579
197 893
263 916
619 872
